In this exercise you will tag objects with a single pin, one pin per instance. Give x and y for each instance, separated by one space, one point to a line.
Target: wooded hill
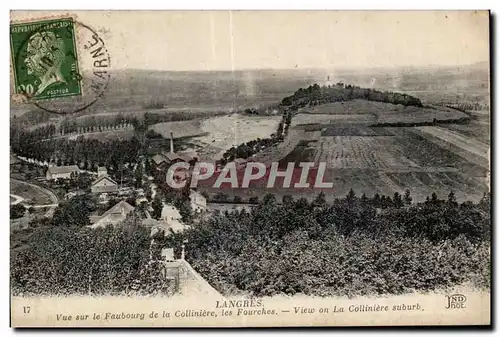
316 95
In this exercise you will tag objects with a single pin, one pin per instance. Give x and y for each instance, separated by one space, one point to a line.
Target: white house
170 220
61 172
198 202
173 218
104 184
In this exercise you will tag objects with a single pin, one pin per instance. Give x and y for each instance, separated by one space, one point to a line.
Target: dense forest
348 248
316 95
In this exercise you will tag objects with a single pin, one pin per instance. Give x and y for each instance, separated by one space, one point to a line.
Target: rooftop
119 208
64 169
158 158
102 178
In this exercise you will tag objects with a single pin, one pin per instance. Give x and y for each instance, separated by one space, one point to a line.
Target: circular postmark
60 66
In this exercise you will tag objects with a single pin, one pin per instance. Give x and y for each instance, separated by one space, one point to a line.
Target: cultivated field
304 118
356 107
382 160
381 153
478 129
472 150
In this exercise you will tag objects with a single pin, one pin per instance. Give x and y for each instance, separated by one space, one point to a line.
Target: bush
17 211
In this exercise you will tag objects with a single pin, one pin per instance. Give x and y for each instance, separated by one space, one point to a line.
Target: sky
223 40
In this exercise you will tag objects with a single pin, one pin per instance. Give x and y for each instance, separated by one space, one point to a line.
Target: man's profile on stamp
45 59
45 55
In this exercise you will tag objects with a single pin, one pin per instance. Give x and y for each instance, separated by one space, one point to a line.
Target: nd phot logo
456 301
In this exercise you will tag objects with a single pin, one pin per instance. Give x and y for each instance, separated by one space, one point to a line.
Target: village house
170 221
61 172
170 214
198 202
112 216
156 225
103 183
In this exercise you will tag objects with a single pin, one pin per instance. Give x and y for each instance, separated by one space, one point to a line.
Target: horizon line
310 68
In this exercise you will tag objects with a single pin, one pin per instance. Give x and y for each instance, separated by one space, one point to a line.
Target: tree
269 198
74 212
184 207
148 193
138 177
147 166
279 131
131 201
376 200
407 198
253 200
397 200
221 197
157 207
287 199
434 198
452 200
320 200
485 202
17 211
351 196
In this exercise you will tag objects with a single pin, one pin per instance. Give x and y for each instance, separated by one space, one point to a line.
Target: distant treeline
461 120
117 121
87 153
316 95
469 106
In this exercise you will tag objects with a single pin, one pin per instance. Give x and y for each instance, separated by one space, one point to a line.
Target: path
52 196
153 191
18 199
193 284
78 134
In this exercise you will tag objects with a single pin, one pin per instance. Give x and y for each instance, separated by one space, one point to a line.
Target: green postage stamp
44 59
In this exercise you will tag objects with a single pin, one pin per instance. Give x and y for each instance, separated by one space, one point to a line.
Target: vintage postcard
250 168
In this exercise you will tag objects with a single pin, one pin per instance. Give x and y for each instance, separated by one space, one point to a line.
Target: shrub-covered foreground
347 248
356 246
73 260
